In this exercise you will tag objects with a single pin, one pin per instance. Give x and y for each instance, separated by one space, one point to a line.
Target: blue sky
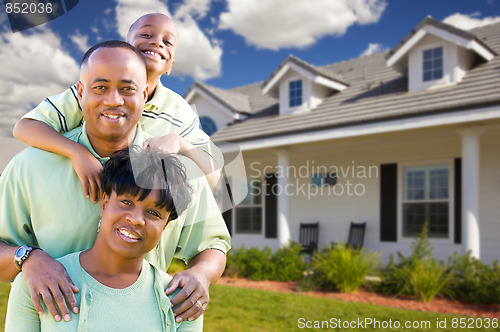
226 43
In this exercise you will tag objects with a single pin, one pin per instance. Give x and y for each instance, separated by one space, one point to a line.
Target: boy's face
132 228
156 37
112 91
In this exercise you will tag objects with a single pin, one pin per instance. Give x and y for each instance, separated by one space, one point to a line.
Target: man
41 203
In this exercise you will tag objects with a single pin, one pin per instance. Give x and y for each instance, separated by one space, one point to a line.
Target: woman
119 290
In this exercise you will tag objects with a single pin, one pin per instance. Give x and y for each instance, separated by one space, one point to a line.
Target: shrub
343 268
427 278
419 275
474 281
285 264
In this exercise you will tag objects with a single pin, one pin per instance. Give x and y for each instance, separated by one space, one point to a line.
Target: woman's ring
199 303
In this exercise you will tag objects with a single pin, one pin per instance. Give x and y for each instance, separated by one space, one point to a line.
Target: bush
285 264
343 268
427 278
418 275
475 281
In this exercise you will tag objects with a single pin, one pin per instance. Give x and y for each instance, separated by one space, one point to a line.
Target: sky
225 43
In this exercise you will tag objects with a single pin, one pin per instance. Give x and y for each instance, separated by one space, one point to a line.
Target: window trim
416 66
451 199
262 211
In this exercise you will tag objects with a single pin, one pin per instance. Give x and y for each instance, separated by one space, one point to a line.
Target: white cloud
299 23
467 22
197 55
373 48
82 41
198 8
34 66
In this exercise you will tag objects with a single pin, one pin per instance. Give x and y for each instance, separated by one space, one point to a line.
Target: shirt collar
158 99
83 139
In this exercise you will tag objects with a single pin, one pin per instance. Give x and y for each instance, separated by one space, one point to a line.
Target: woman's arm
21 313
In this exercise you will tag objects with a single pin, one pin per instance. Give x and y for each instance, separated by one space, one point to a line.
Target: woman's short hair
137 172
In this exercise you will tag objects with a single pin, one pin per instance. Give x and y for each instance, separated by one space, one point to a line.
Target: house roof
446 31
307 68
377 92
233 100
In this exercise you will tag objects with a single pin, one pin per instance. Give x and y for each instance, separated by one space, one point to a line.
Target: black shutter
227 206
271 206
458 200
388 202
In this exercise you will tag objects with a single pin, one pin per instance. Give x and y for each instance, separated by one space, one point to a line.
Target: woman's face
130 227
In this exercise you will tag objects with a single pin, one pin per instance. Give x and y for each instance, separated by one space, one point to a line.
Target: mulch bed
442 305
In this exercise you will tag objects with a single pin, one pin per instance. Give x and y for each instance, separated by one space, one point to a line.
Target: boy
167 116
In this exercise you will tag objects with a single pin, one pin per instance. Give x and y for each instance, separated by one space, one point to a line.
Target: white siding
335 210
205 108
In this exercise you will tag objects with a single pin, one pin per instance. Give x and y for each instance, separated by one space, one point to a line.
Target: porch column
470 190
283 199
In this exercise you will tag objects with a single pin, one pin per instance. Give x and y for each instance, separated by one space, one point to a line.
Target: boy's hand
169 143
89 170
47 278
193 298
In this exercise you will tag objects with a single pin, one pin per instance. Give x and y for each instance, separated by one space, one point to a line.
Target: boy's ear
146 92
170 69
79 91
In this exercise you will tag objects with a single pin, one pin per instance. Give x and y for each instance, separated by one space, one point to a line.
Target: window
249 211
295 93
208 125
433 64
426 199
317 179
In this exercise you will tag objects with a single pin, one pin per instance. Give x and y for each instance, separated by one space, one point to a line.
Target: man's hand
47 277
89 170
194 293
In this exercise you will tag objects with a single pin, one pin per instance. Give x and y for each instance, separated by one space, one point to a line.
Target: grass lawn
243 309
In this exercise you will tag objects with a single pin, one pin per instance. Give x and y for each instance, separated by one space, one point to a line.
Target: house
396 139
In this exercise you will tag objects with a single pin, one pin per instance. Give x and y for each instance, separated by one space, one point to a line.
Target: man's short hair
139 172
112 44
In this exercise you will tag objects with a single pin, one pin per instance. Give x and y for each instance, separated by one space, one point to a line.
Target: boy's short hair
112 44
139 172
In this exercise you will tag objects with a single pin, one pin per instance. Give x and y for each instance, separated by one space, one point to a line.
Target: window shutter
458 200
271 207
388 202
228 206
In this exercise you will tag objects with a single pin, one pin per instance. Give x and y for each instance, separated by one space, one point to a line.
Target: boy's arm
173 143
40 135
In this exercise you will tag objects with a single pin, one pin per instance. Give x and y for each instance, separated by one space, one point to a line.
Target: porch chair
356 235
308 237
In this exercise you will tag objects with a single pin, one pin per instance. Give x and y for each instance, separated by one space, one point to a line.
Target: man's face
112 92
156 37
